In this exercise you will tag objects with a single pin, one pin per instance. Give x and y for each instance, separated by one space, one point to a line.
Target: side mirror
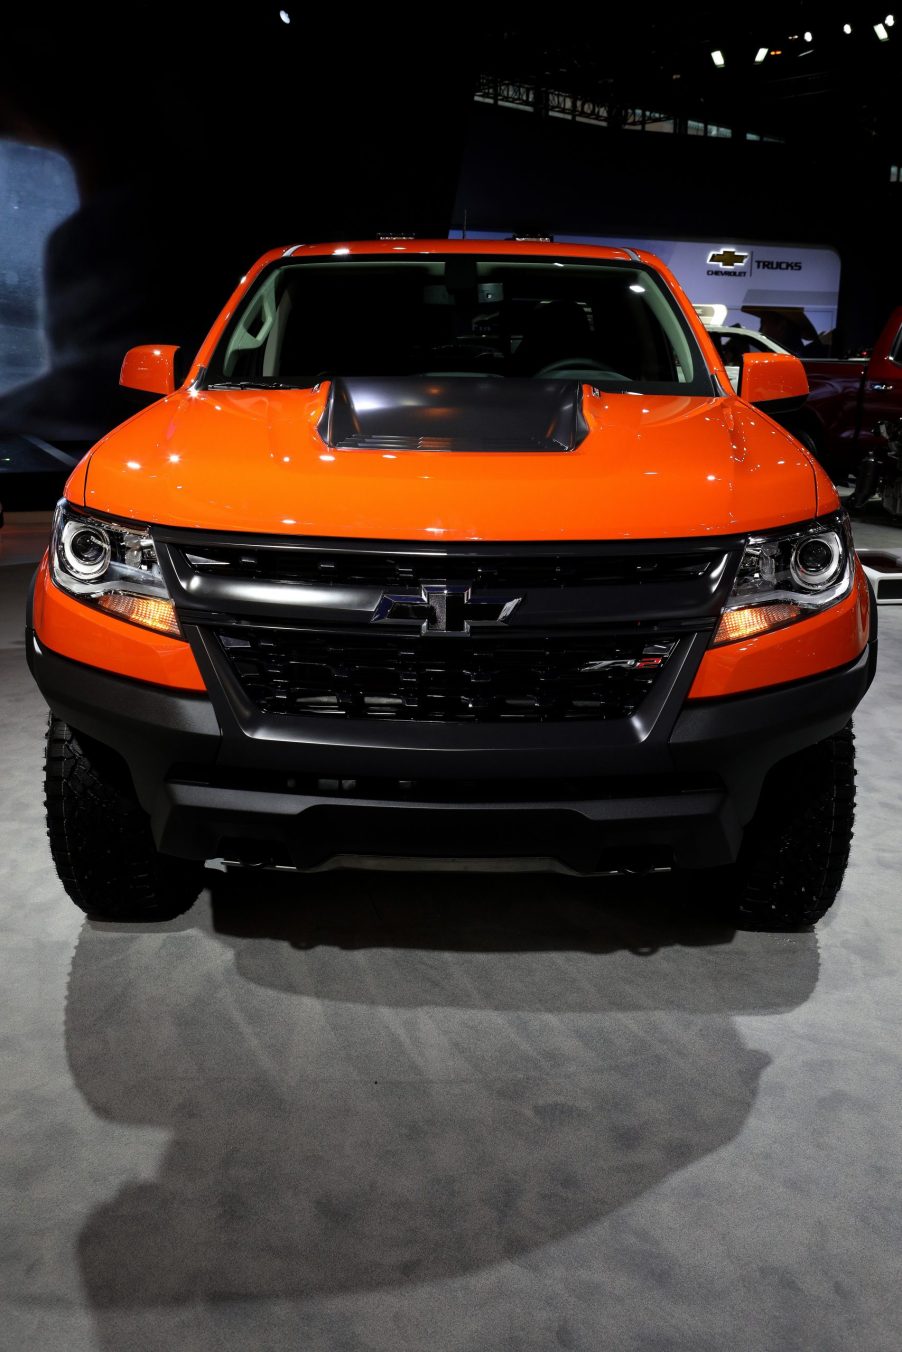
150 368
774 381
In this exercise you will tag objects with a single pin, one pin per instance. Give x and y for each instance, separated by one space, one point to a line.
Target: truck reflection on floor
370 1080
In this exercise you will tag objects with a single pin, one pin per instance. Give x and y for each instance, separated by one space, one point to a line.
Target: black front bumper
675 784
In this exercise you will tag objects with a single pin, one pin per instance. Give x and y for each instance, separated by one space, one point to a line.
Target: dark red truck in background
848 399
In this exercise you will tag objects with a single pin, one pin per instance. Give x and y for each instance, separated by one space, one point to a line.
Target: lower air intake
447 679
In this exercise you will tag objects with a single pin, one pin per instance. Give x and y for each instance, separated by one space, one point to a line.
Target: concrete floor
433 1113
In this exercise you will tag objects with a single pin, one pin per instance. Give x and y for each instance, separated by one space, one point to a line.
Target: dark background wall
523 170
200 135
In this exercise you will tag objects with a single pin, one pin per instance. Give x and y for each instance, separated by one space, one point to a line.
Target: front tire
796 847
100 837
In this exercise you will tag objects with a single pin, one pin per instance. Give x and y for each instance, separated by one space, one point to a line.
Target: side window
249 345
732 347
679 353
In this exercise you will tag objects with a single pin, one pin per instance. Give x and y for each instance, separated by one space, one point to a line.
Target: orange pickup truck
453 549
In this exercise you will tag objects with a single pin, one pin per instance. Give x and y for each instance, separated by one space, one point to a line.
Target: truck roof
403 244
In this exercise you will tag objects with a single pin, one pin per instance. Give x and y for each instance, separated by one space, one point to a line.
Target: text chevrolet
459 550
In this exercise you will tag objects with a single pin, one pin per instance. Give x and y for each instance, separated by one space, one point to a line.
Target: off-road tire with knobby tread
100 837
795 849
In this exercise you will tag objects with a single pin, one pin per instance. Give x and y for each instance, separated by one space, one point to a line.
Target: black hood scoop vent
457 413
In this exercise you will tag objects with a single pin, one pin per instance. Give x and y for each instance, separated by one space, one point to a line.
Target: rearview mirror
150 367
773 381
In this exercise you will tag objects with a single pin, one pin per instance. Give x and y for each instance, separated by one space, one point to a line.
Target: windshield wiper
252 385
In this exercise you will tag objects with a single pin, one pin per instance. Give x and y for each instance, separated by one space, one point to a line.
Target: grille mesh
445 679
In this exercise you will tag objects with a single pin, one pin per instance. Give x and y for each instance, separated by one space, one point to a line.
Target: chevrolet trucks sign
739 264
748 277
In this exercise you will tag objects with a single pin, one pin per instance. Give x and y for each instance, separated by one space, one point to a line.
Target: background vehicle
733 343
449 550
849 398
880 471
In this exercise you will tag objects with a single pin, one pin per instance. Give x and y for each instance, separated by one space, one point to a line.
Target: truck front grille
443 679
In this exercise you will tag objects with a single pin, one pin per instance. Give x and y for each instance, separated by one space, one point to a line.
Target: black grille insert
444 679
401 568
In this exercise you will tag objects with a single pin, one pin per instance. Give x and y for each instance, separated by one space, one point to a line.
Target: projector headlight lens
786 578
817 561
85 549
113 566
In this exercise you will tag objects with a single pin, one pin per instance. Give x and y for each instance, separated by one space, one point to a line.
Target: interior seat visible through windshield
606 323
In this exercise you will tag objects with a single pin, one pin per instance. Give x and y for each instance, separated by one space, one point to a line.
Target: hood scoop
452 413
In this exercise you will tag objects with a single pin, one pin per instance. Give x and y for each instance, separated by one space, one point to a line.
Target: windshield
609 324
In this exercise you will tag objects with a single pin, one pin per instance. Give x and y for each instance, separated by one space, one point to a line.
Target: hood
648 466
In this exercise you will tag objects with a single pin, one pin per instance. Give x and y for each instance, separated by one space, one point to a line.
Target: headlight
113 566
785 578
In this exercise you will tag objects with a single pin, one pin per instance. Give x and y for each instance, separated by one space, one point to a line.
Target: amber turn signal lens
153 612
751 620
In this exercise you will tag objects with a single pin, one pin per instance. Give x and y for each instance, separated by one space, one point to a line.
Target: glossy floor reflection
455 1112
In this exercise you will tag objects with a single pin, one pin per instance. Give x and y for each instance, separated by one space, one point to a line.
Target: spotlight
847 28
809 37
889 20
881 32
284 16
760 55
717 58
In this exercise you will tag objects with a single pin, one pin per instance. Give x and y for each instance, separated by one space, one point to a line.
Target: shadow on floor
494 941
377 1079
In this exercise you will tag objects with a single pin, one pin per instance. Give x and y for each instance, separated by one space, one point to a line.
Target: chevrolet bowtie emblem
448 609
728 258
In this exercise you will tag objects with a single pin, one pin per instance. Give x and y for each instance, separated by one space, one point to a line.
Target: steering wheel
576 367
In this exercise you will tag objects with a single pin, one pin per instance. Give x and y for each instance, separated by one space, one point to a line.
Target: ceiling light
809 37
284 16
760 55
847 28
717 58
881 32
889 20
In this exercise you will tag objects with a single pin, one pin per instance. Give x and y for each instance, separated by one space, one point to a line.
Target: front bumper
675 786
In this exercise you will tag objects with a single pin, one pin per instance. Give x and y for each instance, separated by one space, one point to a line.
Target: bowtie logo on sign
728 258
